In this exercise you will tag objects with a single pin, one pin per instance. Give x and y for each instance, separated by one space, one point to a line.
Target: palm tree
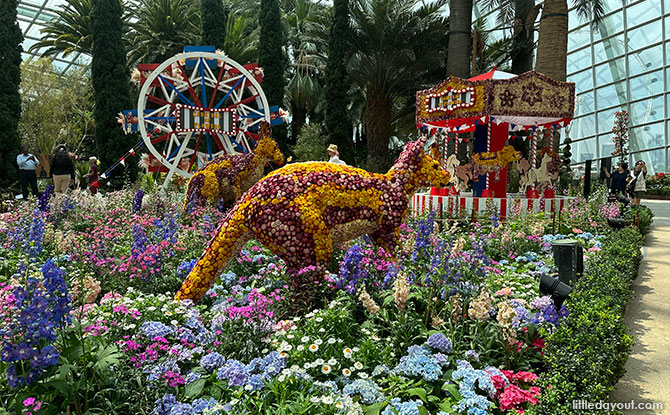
70 32
397 44
242 32
305 22
162 29
552 47
460 38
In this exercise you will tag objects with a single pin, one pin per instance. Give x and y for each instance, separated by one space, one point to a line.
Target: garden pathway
647 377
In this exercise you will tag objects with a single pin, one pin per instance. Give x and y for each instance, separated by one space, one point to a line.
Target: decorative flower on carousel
302 210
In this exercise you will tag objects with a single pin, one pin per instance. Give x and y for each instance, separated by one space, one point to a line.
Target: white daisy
346 372
328 400
363 375
325 369
304 339
319 361
318 342
331 341
313 348
300 348
358 365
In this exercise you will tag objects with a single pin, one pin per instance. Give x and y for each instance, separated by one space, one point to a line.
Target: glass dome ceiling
32 16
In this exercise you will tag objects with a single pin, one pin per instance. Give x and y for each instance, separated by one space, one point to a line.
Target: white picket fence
463 205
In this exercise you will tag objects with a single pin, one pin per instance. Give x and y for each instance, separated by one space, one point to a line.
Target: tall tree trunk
522 42
299 115
460 38
378 116
10 99
552 46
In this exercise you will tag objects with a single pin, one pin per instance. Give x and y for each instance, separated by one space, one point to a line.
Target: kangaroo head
267 147
414 168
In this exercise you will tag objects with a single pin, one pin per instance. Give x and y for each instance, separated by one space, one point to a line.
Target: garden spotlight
569 258
623 199
552 285
617 223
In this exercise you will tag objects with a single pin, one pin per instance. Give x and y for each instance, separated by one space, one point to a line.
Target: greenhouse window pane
583 126
647 110
645 35
610 25
609 48
583 80
647 136
611 71
579 60
611 5
605 145
606 119
642 12
646 85
644 60
610 95
584 150
584 103
579 38
654 159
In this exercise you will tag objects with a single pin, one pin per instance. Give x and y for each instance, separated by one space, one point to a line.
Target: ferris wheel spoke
203 86
190 87
181 96
216 87
197 146
225 97
242 102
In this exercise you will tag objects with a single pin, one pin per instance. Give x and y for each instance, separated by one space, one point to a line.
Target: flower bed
455 325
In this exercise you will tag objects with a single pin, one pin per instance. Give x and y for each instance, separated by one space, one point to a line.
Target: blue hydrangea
380 370
212 361
439 341
469 381
235 372
522 316
153 329
396 406
192 377
419 362
472 355
368 391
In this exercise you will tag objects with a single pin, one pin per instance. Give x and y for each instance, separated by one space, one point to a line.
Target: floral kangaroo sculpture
227 177
301 210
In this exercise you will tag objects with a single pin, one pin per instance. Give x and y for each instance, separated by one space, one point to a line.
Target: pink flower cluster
259 307
509 390
31 404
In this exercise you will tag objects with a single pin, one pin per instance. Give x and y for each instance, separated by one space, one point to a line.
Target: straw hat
332 148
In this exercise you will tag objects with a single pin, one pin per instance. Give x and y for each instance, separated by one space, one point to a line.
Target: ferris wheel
196 106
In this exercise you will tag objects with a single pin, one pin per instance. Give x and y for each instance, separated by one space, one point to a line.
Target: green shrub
585 356
311 144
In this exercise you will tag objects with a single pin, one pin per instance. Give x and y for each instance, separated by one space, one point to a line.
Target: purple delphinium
352 273
43 203
137 201
40 308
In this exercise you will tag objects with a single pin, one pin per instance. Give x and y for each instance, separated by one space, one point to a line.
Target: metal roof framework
33 15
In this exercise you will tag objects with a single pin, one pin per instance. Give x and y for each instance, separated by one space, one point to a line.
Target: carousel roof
526 101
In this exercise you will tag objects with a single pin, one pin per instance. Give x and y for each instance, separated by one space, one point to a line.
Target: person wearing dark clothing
62 169
27 165
619 178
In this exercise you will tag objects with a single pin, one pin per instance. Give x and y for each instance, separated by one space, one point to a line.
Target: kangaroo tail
195 184
227 243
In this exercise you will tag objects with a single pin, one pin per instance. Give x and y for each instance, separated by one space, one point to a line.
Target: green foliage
311 144
645 214
271 58
110 80
398 47
10 101
585 356
70 32
162 29
337 120
63 112
214 20
241 43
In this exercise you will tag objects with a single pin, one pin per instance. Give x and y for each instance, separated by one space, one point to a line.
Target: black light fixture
623 199
617 223
569 258
552 285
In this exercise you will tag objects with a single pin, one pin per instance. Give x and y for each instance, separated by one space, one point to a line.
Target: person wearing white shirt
334 155
27 165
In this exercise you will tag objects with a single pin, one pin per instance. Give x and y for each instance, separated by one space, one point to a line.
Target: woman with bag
637 186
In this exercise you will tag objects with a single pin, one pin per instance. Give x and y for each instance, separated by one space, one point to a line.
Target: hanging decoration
497 158
620 138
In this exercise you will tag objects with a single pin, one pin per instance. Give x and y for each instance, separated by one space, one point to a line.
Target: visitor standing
577 176
334 155
619 178
92 175
637 185
27 171
62 169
